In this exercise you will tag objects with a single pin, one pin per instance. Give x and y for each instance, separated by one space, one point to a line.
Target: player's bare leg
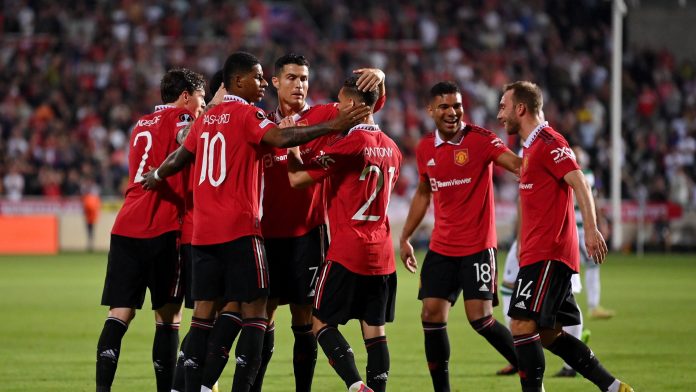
434 316
338 352
377 356
109 345
227 326
165 344
248 351
479 312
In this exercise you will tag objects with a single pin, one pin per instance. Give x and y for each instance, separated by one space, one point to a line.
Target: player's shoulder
479 133
550 136
427 142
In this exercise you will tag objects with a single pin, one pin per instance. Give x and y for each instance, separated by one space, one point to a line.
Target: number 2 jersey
359 170
227 174
148 214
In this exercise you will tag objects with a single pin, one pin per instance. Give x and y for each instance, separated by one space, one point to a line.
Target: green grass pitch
51 320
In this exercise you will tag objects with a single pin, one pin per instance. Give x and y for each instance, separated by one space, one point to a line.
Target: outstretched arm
419 206
510 162
176 161
594 241
295 136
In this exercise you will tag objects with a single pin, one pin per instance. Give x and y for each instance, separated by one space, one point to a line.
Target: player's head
214 84
243 76
184 88
291 79
521 100
445 107
350 94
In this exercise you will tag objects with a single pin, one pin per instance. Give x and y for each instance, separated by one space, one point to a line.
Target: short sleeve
559 159
182 120
192 138
332 158
256 125
421 164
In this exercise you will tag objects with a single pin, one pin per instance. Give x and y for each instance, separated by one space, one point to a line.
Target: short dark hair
442 88
350 86
178 80
238 63
213 85
526 93
290 58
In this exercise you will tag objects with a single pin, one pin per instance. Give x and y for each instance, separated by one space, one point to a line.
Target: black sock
377 363
582 359
225 331
530 361
164 354
108 350
304 357
498 336
266 354
339 353
437 353
194 352
178 383
248 353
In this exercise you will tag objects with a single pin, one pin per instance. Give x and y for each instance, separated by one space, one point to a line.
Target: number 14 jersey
359 171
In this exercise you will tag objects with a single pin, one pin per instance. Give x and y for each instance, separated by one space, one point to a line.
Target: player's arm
298 178
419 206
370 79
509 161
176 161
294 136
217 99
594 241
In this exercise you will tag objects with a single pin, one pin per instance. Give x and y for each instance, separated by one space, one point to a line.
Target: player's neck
528 126
287 109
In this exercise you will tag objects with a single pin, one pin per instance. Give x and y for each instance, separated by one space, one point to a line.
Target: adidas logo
483 287
110 354
191 363
158 366
311 293
520 305
382 376
241 361
431 162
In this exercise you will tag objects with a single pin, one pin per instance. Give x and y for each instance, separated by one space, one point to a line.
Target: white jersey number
148 139
208 164
360 215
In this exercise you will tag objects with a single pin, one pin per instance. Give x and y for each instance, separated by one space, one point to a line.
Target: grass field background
51 320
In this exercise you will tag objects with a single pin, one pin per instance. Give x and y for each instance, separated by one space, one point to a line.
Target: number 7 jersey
359 171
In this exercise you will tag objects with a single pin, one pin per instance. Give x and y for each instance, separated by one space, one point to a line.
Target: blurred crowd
75 77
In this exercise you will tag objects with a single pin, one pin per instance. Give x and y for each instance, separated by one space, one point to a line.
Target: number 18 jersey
359 171
227 175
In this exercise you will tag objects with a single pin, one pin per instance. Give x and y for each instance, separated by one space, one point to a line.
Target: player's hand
350 116
595 245
369 79
407 256
287 122
149 181
219 96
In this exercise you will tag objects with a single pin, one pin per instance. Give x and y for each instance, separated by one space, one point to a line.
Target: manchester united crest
461 157
525 163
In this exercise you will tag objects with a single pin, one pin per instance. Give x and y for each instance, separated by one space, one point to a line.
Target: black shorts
139 263
232 271
447 276
186 256
294 263
343 295
543 293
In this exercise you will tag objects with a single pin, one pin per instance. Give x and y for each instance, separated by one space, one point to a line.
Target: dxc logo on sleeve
560 154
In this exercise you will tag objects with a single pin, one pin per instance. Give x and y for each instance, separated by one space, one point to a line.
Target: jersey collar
456 140
234 98
279 116
364 127
532 136
162 107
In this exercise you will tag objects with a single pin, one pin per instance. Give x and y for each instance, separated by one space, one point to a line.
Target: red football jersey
460 174
147 214
359 171
290 212
227 174
548 230
187 223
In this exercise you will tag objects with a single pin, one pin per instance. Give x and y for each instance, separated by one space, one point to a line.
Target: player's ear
521 109
275 82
